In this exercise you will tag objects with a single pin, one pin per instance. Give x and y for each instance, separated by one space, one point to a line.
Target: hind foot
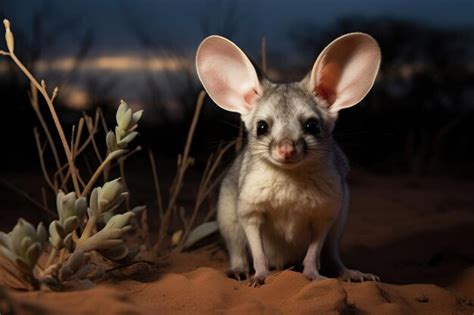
350 275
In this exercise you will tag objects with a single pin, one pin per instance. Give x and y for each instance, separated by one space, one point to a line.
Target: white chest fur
294 207
267 187
290 198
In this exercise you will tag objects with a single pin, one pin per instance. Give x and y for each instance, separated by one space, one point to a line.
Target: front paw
350 275
238 274
313 274
258 280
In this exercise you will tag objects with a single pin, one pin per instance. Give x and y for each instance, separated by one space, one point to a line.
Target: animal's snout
286 149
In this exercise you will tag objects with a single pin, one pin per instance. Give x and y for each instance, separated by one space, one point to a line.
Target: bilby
285 198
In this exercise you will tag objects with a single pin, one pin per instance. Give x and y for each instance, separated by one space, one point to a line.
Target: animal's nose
286 149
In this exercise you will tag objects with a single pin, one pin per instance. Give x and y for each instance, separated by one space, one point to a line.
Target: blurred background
410 141
417 119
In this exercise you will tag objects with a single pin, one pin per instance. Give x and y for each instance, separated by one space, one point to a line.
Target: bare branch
42 88
157 183
41 158
183 163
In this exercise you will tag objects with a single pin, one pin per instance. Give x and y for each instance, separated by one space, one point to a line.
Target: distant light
76 98
115 64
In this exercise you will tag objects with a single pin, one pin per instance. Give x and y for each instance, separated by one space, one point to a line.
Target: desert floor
417 234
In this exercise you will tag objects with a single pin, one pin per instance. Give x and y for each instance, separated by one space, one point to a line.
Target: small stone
422 298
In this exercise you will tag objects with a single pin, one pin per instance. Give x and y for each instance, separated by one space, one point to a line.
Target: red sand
207 290
409 232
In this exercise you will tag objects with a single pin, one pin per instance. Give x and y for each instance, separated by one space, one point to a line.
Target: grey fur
286 211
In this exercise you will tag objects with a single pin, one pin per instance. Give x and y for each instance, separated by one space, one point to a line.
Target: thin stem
73 135
126 156
88 165
99 170
203 191
78 152
61 255
55 117
87 230
35 104
102 119
42 164
156 182
81 181
51 257
183 164
45 198
66 178
92 130
79 135
121 163
145 229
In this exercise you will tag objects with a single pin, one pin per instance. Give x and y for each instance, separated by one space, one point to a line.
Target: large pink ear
227 74
345 70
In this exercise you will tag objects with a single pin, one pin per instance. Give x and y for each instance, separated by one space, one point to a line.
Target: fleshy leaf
119 133
68 242
25 244
127 139
21 230
70 224
32 254
125 120
176 237
41 233
116 253
119 220
83 271
94 202
111 195
5 240
107 215
72 265
110 235
59 198
123 107
137 116
80 207
138 209
56 234
201 232
67 206
111 141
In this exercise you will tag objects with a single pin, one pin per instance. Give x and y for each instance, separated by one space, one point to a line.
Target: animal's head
289 124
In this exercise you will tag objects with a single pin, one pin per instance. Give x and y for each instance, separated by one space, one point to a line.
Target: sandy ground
416 234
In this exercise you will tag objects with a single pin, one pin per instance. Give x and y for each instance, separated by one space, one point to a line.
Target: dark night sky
177 22
160 77
176 27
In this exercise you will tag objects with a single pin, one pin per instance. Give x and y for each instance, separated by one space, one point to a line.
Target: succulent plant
125 130
24 244
71 211
107 198
68 205
110 236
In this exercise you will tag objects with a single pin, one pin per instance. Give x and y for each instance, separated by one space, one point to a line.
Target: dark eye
262 128
311 126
